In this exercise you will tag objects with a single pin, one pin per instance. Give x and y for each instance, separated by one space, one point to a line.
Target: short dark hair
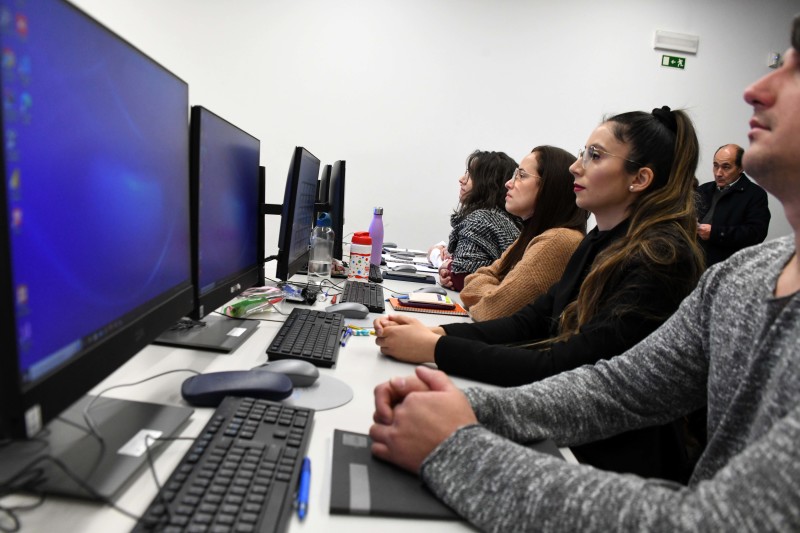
796 33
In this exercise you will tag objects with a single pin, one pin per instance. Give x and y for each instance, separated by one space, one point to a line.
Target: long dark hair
662 218
554 206
489 172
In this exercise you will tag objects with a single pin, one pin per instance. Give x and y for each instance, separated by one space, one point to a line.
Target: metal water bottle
376 234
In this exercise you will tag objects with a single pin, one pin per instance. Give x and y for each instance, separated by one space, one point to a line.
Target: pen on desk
305 484
346 335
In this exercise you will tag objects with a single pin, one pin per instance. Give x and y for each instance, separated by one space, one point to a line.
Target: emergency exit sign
673 62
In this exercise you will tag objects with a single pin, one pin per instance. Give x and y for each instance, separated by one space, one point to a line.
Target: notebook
456 311
364 485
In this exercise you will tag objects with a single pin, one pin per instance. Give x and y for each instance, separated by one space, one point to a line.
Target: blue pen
305 484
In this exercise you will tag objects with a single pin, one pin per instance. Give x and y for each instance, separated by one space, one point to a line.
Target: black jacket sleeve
641 299
741 220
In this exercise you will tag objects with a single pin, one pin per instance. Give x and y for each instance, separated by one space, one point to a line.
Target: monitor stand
220 334
104 467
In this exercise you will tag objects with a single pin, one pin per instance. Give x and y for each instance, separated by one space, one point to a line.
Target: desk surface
360 365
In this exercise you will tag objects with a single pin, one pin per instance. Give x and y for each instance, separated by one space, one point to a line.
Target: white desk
360 365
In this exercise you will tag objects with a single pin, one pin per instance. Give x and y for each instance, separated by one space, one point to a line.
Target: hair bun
666 117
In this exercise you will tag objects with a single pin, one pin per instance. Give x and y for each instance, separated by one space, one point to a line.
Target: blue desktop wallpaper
96 165
229 205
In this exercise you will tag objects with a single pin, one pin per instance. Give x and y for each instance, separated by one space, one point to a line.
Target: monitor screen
225 173
227 230
297 215
95 237
323 185
336 200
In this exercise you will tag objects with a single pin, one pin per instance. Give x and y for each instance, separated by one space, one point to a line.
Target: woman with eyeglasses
481 227
627 277
540 193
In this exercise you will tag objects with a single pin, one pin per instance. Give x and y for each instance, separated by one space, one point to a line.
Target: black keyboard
369 294
309 335
241 473
375 275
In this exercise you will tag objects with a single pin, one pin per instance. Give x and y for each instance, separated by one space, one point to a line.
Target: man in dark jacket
732 211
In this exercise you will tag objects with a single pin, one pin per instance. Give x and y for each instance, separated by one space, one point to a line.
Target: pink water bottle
376 234
360 251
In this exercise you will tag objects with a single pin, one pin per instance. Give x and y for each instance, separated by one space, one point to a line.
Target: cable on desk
148 439
88 419
30 476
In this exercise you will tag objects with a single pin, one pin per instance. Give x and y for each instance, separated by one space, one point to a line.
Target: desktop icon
9 58
25 103
22 295
22 24
16 218
5 18
14 185
24 68
11 140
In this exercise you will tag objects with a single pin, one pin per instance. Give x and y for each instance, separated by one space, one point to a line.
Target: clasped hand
413 415
405 339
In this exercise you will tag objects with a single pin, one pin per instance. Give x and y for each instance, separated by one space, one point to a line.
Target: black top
741 218
636 301
638 298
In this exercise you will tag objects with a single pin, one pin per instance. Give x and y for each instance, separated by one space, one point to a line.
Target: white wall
404 90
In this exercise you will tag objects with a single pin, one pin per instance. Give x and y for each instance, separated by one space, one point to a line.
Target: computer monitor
323 184
227 231
297 214
336 201
94 238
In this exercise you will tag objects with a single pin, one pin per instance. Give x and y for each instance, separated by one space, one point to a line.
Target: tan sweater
489 296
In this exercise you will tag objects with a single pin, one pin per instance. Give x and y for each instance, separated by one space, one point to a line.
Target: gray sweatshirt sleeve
748 478
501 486
660 379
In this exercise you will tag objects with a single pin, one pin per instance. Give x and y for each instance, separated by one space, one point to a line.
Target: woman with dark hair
540 193
625 279
481 227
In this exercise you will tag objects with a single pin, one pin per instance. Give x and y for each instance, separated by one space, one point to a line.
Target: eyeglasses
520 175
588 153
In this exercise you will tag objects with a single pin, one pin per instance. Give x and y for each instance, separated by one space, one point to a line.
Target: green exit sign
673 62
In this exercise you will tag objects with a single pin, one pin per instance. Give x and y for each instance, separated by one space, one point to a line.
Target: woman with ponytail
627 276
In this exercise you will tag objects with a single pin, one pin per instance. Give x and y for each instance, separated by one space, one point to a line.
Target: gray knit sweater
731 341
480 238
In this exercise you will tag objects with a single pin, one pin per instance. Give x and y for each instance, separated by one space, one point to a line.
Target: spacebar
276 505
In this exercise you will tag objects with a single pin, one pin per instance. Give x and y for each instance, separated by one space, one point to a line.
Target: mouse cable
88 419
148 441
28 480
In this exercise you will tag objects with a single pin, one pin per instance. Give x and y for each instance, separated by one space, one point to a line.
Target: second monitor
227 230
297 215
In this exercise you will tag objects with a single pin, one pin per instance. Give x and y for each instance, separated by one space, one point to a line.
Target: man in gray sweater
733 343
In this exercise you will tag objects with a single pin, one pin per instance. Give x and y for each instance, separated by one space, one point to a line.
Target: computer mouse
434 289
208 390
349 309
404 268
302 373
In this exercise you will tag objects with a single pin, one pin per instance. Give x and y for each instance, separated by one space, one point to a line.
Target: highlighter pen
305 484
